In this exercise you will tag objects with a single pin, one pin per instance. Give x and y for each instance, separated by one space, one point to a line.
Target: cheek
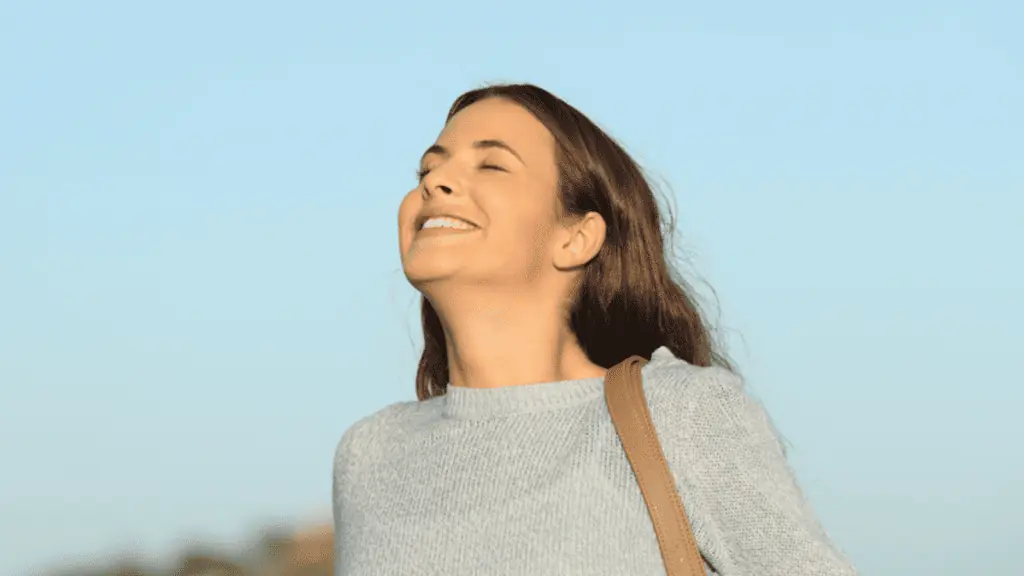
407 211
527 233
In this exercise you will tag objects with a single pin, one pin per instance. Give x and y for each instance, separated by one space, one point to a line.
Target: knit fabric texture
533 480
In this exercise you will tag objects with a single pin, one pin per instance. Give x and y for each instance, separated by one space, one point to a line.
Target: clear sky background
200 286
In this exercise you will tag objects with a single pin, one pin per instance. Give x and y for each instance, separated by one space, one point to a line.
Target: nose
430 189
433 183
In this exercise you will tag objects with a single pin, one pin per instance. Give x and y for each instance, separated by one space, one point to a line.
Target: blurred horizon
271 551
200 287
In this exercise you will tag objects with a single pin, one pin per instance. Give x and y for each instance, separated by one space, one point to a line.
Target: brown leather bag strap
624 393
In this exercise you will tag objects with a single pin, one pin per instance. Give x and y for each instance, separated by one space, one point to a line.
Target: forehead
498 119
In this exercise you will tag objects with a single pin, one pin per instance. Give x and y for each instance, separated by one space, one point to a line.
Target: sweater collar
475 403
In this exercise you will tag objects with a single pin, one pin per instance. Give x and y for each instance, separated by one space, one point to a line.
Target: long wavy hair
630 300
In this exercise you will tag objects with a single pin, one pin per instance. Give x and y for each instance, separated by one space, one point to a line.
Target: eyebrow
479 145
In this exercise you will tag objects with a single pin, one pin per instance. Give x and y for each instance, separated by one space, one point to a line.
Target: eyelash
421 174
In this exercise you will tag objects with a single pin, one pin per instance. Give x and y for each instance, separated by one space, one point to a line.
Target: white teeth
444 222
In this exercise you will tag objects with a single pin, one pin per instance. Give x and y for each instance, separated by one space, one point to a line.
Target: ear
580 241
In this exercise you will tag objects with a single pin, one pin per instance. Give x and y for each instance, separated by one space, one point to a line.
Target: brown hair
630 300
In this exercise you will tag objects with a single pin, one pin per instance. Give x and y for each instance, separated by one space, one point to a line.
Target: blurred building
305 552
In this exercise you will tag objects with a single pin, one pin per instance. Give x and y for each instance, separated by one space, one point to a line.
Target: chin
421 273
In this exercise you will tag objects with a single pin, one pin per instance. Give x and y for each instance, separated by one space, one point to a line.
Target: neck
509 339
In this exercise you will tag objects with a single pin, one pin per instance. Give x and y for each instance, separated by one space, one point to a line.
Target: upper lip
441 213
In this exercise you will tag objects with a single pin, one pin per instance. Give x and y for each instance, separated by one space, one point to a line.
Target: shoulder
673 380
687 400
383 427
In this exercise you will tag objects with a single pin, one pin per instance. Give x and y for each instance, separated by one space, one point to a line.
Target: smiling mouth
446 223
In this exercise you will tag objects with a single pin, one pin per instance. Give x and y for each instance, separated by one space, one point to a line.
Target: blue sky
200 286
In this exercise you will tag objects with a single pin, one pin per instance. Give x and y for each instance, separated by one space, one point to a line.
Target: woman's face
485 209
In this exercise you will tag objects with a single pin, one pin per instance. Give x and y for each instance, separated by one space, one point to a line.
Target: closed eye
422 172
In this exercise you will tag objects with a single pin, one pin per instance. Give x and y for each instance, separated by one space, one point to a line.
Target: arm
749 494
341 483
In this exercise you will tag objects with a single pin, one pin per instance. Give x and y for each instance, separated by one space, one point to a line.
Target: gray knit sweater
532 480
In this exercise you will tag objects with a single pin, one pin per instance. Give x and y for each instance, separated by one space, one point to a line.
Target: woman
537 245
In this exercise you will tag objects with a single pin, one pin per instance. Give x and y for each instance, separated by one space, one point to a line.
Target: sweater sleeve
748 490
337 479
342 484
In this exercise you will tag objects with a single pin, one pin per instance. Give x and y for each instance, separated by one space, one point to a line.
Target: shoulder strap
624 393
